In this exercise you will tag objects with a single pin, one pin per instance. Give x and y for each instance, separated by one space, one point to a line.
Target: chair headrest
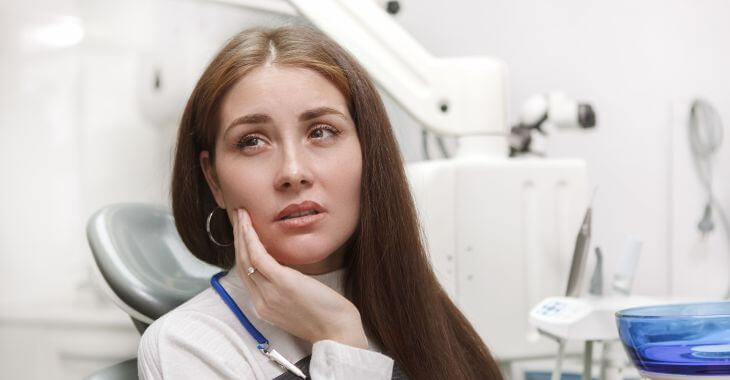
143 259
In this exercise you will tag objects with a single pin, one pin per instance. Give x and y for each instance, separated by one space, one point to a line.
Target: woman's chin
307 254
298 257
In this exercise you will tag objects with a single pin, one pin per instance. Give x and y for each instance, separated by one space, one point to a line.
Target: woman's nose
294 173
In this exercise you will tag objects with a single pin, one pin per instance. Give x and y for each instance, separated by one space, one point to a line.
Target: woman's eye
321 132
248 142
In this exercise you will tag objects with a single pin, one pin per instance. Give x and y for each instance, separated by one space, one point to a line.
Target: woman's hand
292 301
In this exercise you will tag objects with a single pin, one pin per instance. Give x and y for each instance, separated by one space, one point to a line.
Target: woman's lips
301 222
301 207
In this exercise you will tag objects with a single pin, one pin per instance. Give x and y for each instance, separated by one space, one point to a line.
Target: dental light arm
547 111
557 109
449 96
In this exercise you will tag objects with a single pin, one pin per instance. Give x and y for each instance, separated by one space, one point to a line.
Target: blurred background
91 93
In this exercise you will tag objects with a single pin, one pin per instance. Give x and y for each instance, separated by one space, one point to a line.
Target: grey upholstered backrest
143 260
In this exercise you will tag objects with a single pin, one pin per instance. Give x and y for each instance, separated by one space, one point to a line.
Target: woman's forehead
273 92
281 90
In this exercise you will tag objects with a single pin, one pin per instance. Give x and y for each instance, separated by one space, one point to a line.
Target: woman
287 134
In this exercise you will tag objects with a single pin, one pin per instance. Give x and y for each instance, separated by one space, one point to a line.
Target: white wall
77 134
39 102
638 63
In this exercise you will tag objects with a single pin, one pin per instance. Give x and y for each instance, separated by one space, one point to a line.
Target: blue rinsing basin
684 339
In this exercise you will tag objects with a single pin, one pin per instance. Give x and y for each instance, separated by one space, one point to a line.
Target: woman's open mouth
302 219
301 215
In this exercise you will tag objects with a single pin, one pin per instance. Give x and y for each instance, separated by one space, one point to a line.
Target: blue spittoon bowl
673 341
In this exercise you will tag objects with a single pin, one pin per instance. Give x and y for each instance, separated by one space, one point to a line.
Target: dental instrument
706 133
580 257
596 288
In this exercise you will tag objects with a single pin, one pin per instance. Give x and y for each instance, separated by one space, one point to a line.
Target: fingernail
240 214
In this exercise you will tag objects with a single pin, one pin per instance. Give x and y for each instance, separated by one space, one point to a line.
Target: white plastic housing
500 233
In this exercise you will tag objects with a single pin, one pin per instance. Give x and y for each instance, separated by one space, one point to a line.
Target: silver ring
250 271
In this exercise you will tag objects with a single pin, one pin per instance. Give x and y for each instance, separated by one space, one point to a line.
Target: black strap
303 364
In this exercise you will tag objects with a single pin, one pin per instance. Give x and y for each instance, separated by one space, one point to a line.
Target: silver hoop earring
207 228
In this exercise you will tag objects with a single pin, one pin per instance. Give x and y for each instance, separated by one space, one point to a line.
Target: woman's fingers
257 254
238 243
242 258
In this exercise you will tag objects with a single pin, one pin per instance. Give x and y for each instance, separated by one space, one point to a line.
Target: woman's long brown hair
389 276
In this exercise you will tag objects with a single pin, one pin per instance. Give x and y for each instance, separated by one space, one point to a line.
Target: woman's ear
211 178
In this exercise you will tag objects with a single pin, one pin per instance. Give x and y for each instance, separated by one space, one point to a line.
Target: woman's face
287 137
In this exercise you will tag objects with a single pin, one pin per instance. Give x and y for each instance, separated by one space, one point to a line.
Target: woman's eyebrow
319 111
256 118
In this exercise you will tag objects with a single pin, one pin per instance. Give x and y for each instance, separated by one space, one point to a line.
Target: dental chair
144 266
